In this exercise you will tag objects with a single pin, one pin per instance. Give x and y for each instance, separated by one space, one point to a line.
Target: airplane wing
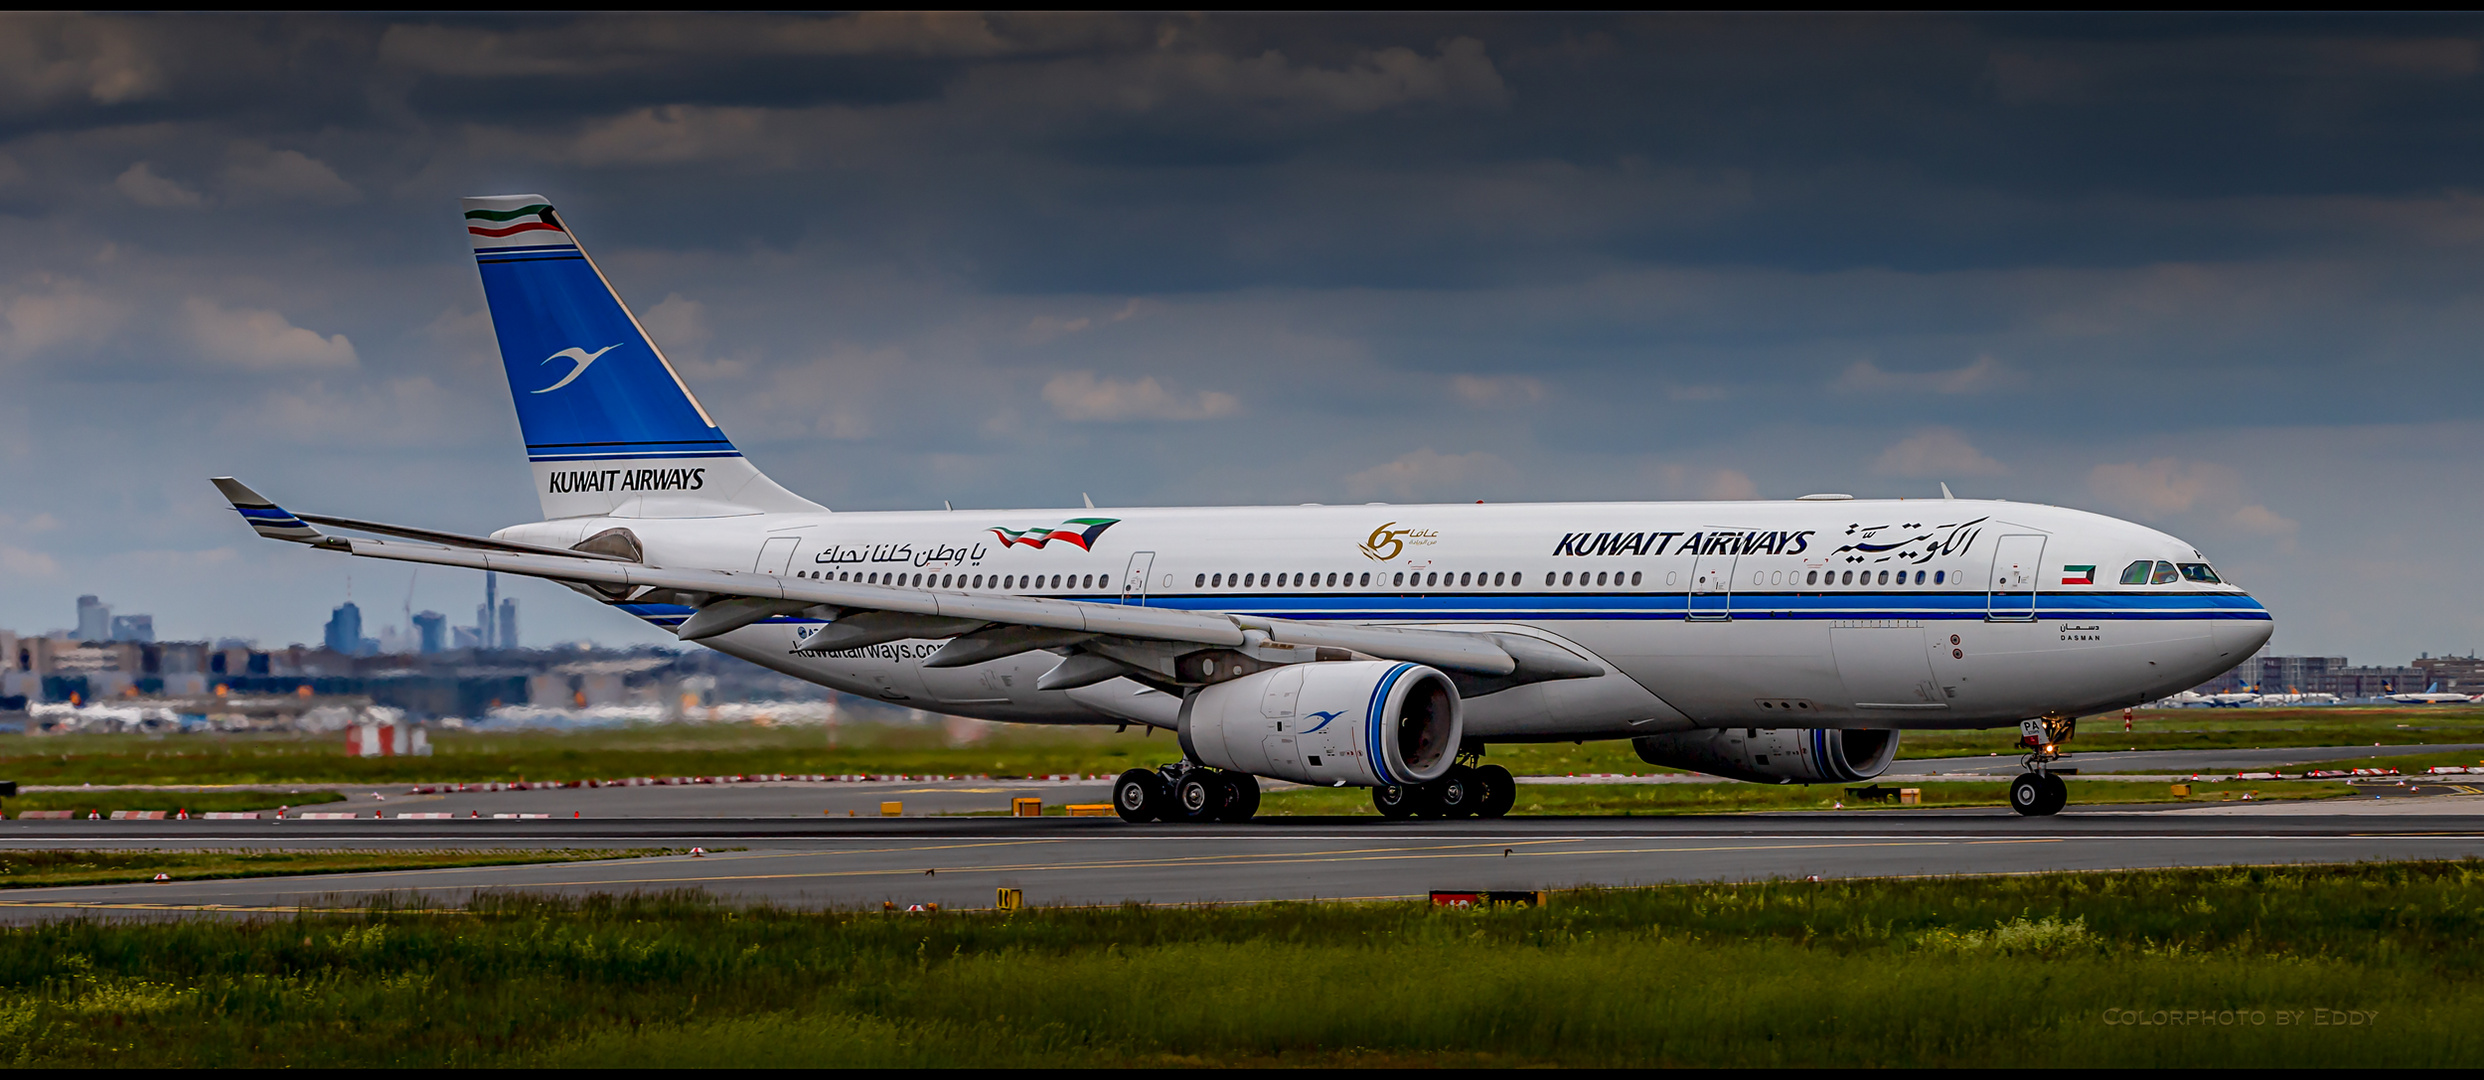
1112 639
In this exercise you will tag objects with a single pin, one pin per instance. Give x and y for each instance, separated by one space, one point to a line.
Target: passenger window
1671 578
2199 572
1499 576
1849 577
1565 578
1811 578
1332 581
1367 579
2165 573
1548 579
2136 573
1399 581
1431 579
1634 578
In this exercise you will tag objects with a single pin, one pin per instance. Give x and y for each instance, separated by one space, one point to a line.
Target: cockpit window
2137 573
2165 572
2199 572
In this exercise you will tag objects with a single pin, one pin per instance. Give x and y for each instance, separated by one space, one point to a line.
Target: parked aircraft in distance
2431 696
1387 647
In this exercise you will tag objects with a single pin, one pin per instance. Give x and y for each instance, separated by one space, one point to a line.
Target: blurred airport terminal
110 674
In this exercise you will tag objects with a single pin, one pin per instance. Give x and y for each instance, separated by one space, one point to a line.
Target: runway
848 863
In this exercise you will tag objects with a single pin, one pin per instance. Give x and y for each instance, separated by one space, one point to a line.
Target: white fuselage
1844 614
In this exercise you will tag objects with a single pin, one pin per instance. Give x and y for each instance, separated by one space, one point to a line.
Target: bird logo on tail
581 357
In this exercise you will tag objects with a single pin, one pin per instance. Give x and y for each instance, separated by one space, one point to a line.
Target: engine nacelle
1775 755
1369 723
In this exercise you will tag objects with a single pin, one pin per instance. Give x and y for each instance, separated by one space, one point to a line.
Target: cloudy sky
2217 275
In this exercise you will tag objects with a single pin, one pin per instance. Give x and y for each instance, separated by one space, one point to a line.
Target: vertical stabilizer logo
1076 532
498 224
577 356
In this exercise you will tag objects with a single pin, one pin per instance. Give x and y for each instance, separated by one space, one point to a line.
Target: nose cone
2238 638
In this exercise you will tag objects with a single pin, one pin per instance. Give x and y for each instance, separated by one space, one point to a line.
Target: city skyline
2218 277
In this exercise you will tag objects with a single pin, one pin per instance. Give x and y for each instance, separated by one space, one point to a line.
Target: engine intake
1775 755
1368 723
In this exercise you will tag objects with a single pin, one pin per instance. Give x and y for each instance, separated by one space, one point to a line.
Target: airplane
2431 696
1375 646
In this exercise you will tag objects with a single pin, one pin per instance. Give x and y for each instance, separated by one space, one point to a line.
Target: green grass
1730 798
2013 972
196 802
2224 729
667 750
713 749
32 869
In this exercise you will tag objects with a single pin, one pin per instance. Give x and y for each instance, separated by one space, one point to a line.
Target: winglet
1945 492
267 518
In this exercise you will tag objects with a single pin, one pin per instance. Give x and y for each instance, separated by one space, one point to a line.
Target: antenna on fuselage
1945 492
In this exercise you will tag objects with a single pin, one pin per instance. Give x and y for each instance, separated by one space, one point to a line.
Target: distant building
138 628
2316 675
432 627
345 629
2456 674
94 620
506 628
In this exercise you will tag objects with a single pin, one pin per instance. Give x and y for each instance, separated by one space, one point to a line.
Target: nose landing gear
2038 792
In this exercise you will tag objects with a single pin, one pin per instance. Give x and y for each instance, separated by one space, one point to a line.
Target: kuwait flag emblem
499 224
1077 532
2078 575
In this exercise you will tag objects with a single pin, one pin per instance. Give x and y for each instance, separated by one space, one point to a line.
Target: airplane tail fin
609 425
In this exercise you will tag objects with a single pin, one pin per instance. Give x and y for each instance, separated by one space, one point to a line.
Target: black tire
1426 800
1139 796
1456 793
1200 797
1394 803
2028 795
2056 794
1243 797
1500 791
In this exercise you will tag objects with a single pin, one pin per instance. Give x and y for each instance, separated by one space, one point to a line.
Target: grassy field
30 869
2371 966
695 749
197 802
1729 798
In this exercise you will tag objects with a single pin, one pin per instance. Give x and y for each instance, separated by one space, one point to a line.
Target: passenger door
2014 564
1134 580
1712 586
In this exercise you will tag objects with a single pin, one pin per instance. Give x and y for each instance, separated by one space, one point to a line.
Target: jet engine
1364 723
1775 755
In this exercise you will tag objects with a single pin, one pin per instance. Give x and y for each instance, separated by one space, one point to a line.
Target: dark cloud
2216 273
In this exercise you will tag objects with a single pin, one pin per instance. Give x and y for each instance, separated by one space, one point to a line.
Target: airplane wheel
2028 795
1500 791
1243 798
1139 795
2056 794
1201 796
1456 792
1394 803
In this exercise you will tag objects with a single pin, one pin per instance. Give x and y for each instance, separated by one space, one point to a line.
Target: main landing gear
2038 792
1486 791
1185 792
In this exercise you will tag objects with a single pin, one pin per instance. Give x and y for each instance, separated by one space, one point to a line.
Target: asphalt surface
833 862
